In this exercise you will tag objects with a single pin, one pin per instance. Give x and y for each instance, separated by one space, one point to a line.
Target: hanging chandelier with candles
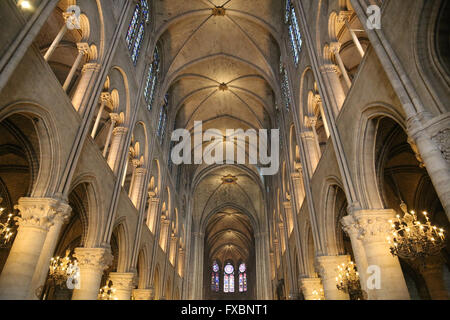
411 239
7 229
61 269
108 292
348 280
318 294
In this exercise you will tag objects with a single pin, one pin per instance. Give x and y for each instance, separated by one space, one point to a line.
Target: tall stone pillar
374 228
331 72
47 253
299 188
351 228
312 288
142 294
123 283
37 216
152 214
431 272
85 84
92 263
328 269
137 188
117 143
313 152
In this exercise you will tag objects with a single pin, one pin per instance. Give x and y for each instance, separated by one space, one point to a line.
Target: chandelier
318 294
108 292
411 239
7 229
348 280
61 269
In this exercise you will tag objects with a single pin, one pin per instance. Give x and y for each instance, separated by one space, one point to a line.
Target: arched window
215 277
136 29
294 31
242 278
228 279
163 118
286 88
152 79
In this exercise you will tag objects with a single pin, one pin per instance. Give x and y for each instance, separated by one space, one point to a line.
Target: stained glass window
242 278
286 89
163 118
294 31
136 29
228 284
152 79
215 279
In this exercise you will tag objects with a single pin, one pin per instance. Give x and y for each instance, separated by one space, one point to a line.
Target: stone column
328 269
335 48
115 119
318 101
165 223
84 85
137 187
173 249
311 144
431 272
331 72
51 241
123 283
181 261
37 216
118 140
92 263
374 228
142 294
83 49
312 288
105 98
344 17
299 188
351 228
152 211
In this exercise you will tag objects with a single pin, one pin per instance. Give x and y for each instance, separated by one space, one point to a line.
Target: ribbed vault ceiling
223 70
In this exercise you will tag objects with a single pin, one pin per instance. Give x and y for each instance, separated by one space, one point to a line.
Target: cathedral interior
94 207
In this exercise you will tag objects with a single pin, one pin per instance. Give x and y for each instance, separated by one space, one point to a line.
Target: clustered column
37 217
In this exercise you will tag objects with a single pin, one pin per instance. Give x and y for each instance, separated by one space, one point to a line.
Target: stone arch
45 140
367 182
122 234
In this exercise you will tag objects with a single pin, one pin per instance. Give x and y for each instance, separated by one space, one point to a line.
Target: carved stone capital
105 97
42 212
122 281
335 47
344 16
328 265
350 226
142 294
330 68
91 67
374 225
120 131
442 139
309 286
98 259
83 48
115 117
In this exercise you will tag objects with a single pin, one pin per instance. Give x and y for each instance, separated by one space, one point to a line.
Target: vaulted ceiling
221 64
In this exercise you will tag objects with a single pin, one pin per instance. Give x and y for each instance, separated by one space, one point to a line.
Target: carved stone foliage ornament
442 139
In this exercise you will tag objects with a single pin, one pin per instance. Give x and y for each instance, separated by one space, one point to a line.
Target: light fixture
62 269
25 4
318 294
348 280
411 239
108 292
7 229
